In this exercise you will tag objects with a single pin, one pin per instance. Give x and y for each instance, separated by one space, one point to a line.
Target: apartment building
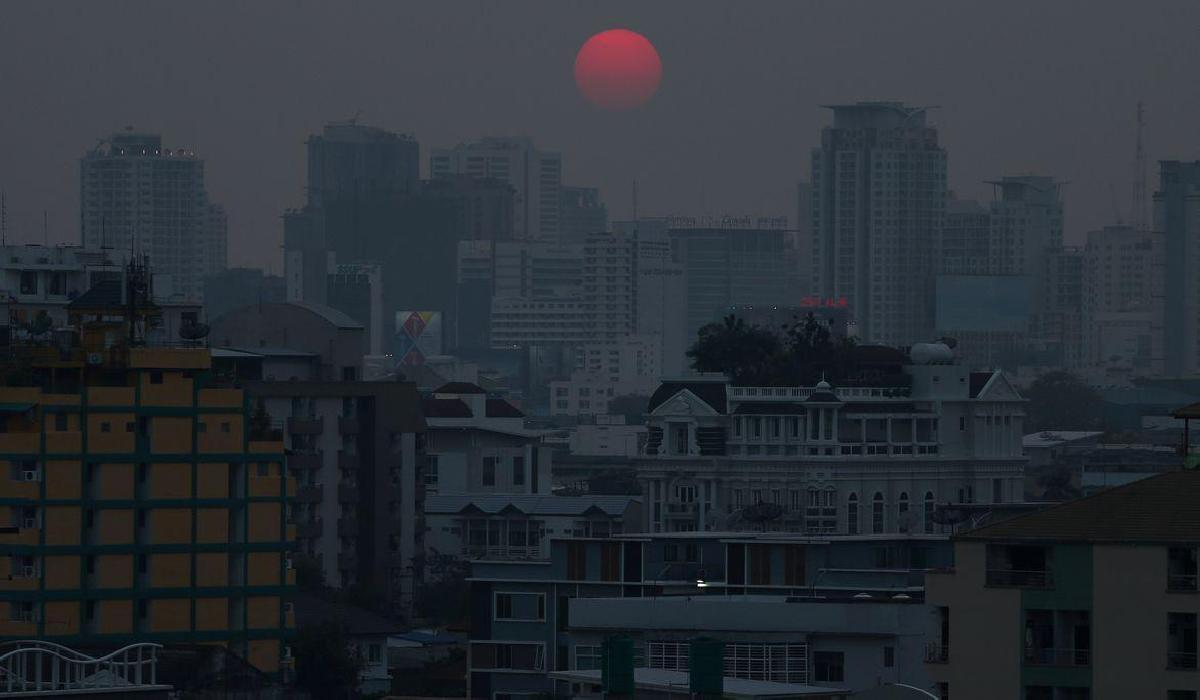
138 505
1093 599
836 612
906 436
354 450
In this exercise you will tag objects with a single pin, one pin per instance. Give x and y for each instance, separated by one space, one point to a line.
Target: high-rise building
535 175
879 193
140 502
136 195
727 265
580 213
238 286
1177 215
354 161
1123 299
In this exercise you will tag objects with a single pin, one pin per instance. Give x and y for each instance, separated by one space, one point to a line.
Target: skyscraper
580 213
1177 215
349 160
535 175
879 192
1122 299
134 192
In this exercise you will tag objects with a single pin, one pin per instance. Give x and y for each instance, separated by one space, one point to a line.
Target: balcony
1181 661
1046 656
1181 583
347 426
308 459
311 425
347 527
310 529
502 552
937 653
348 492
347 461
1012 578
310 493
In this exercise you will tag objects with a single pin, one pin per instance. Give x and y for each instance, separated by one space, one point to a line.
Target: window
889 657
1181 695
489 471
496 656
156 377
29 282
105 427
576 561
997 490
520 607
129 427
587 657
929 511
829 666
226 427
852 514
902 511
671 552
877 513
962 423
201 427
263 469
373 653
60 422
518 474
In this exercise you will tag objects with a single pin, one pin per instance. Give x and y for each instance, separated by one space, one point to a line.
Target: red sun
618 69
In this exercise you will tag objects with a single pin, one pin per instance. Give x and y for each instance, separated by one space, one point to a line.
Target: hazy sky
1046 86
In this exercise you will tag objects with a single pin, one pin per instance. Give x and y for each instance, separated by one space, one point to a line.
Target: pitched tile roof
1160 509
499 408
710 392
445 408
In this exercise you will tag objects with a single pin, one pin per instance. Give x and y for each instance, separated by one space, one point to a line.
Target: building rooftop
459 388
1157 510
707 389
676 682
1053 438
333 316
358 622
529 505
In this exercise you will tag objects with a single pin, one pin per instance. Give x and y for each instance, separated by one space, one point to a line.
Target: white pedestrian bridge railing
32 666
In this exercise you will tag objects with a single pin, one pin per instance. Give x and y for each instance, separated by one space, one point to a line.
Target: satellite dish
862 596
194 331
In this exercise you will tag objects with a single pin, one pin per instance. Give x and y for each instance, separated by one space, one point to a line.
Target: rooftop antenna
3 219
635 201
1140 222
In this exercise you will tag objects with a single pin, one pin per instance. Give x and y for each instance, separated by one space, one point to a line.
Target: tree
326 665
814 354
1060 400
749 355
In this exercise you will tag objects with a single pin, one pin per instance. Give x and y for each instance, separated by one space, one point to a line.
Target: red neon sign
814 301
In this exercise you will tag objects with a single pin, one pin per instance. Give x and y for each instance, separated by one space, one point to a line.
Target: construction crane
1140 215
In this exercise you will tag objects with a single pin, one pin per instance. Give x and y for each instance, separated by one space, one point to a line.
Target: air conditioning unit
287 653
27 571
29 523
287 564
95 358
30 475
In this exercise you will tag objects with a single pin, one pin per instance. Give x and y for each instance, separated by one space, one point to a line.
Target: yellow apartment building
136 506
1094 599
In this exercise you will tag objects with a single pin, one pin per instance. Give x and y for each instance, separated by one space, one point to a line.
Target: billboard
983 303
418 335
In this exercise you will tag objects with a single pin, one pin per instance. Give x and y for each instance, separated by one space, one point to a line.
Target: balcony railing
502 552
1182 582
1020 579
1181 660
1048 656
937 653
681 508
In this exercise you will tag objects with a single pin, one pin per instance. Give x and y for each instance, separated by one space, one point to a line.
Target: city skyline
250 129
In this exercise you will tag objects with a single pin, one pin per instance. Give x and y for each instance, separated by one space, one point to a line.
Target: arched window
928 511
877 513
852 514
902 512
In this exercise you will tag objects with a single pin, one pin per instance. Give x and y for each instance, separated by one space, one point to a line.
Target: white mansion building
906 437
